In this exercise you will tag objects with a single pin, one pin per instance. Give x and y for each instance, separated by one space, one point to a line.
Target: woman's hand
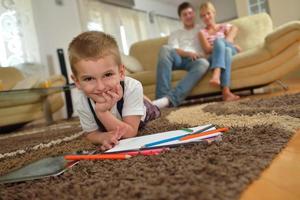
238 48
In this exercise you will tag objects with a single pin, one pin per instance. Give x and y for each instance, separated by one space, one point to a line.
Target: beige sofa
267 56
18 106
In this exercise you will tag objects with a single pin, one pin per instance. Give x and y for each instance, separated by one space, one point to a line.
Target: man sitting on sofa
183 52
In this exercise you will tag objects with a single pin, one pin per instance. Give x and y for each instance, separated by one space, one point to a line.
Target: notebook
137 143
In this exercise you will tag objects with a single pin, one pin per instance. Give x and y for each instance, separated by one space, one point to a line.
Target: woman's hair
92 45
208 6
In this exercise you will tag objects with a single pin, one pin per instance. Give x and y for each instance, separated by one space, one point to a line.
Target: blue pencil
175 138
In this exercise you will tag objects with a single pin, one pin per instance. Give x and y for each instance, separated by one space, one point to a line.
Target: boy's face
95 77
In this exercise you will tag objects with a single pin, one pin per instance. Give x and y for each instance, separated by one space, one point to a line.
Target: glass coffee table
26 96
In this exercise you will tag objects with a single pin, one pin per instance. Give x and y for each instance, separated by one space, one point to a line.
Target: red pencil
195 135
148 152
97 157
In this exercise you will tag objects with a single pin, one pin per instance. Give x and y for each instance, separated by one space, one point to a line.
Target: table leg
47 111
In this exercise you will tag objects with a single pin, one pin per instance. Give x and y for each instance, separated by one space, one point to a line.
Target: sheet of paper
136 143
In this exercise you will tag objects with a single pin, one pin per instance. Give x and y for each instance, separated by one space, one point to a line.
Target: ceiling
177 2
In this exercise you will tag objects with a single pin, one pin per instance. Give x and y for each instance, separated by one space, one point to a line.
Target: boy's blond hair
208 6
92 45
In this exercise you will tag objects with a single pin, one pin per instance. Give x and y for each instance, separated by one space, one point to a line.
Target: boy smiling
111 106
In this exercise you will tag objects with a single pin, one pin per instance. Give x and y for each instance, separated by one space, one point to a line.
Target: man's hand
110 97
193 55
110 139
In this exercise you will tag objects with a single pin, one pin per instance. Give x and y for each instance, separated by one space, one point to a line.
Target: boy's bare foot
215 79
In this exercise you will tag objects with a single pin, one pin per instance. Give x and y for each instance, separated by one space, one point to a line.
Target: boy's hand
110 139
110 97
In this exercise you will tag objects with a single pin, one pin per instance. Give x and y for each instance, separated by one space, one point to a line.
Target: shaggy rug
259 129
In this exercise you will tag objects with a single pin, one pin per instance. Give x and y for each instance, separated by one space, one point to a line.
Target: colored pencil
97 157
195 135
149 152
175 138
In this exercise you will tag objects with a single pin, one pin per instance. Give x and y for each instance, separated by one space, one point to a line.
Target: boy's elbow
129 131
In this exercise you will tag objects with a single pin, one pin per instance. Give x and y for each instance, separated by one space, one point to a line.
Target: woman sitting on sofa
217 42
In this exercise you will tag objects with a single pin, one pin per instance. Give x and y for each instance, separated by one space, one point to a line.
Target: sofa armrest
246 58
52 81
282 37
9 77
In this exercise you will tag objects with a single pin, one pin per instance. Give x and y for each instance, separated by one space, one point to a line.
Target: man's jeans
169 60
221 57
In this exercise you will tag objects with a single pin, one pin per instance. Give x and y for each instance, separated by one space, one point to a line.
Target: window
167 25
18 40
126 25
258 6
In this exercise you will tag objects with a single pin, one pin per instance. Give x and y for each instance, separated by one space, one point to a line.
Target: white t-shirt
186 40
133 105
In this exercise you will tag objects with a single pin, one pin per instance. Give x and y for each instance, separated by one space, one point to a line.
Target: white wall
226 10
284 11
280 11
56 26
242 7
164 9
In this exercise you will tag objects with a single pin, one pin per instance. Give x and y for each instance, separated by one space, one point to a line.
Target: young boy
111 106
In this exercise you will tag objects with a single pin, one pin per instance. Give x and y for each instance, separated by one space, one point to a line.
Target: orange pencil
97 157
195 135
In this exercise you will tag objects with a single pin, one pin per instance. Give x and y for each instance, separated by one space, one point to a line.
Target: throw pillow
26 83
131 63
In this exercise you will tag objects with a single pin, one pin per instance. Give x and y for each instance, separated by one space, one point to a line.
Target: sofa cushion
26 83
9 77
131 63
252 30
147 51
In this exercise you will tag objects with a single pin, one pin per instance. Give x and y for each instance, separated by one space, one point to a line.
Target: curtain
18 39
126 25
167 25
134 25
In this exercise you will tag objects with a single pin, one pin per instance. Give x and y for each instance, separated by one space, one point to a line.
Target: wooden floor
282 179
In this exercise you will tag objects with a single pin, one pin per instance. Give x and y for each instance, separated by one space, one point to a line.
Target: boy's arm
129 125
96 137
107 140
